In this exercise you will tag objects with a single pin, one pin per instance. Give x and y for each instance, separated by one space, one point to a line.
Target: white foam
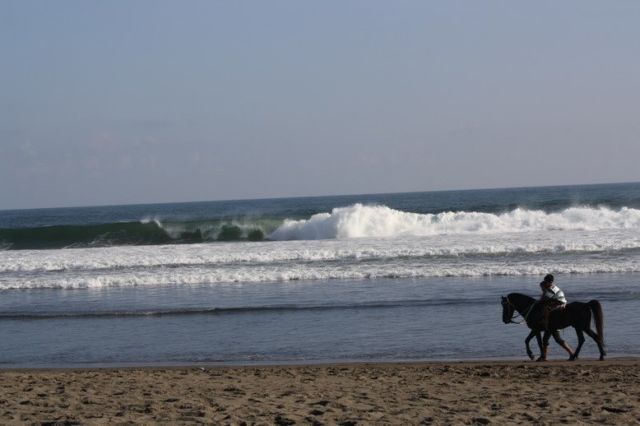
405 245
359 221
556 243
252 274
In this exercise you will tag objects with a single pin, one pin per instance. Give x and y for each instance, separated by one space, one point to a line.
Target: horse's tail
598 318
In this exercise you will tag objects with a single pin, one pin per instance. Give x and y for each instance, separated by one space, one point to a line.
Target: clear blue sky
107 102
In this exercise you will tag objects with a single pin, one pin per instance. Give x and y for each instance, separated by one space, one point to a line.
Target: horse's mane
520 295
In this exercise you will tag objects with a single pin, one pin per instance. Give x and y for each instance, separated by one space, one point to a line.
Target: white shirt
555 293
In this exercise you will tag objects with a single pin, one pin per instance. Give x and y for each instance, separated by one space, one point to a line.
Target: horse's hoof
541 359
602 358
572 358
531 357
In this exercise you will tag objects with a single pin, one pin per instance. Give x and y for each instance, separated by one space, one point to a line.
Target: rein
515 311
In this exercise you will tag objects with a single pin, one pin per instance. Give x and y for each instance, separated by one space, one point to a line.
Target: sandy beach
415 393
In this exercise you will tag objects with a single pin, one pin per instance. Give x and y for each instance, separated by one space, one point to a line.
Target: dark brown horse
577 315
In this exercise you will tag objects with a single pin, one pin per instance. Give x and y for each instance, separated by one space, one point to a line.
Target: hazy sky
105 102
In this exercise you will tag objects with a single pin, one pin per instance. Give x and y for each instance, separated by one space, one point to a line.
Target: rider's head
548 278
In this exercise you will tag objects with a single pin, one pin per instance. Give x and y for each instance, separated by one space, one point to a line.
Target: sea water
367 277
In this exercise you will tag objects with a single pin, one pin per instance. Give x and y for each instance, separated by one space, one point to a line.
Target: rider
552 298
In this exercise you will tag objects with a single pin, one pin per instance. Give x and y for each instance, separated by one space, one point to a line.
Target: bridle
515 312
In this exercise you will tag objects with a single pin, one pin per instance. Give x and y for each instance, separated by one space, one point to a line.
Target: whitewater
355 242
381 221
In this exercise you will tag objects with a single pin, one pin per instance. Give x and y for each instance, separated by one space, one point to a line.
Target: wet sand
585 392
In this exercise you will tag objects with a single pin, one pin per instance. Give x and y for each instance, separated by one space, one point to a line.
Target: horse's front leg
528 339
545 346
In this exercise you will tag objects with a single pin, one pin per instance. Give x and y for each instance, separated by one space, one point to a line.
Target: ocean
379 277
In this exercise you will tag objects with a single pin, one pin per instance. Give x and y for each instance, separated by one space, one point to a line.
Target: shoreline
310 363
471 392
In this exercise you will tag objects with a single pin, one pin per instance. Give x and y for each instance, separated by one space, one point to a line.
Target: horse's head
507 310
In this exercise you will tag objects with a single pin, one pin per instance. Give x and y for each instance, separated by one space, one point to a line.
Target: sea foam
352 243
243 275
359 220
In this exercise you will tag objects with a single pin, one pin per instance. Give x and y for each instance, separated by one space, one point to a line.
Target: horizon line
317 196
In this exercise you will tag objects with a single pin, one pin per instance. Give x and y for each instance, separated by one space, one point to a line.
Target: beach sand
398 393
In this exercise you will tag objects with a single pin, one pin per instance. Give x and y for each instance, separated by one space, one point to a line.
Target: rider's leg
545 317
565 346
547 309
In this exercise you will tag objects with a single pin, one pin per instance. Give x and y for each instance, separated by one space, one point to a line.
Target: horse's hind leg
580 335
594 336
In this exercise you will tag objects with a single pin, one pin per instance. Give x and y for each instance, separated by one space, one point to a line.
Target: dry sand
418 393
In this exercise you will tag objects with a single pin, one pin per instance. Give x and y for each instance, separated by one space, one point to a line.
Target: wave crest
360 220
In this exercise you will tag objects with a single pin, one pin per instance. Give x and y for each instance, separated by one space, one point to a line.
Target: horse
576 314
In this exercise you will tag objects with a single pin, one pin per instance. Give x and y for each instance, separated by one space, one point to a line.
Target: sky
164 101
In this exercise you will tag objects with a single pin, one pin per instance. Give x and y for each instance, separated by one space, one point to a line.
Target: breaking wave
355 221
359 220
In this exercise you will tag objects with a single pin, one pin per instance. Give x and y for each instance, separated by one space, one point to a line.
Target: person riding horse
552 298
536 314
